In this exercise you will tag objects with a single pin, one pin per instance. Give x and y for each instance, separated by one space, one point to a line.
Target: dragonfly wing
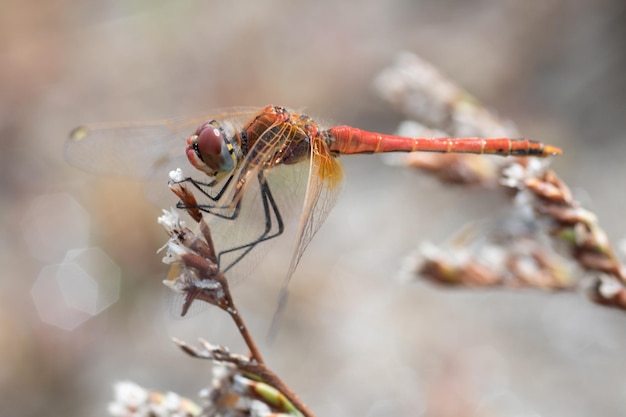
123 150
323 189
140 149
287 185
144 151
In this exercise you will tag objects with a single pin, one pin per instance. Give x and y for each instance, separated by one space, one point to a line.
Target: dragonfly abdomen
348 140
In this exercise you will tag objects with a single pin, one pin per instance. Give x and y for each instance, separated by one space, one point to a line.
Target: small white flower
130 394
175 252
171 221
241 384
172 401
431 251
260 409
177 175
208 284
129 400
221 370
175 285
609 287
513 176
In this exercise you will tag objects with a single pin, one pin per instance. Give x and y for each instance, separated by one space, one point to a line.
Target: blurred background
81 299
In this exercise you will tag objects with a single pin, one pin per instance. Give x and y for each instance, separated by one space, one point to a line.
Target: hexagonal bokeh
54 223
50 300
68 294
103 270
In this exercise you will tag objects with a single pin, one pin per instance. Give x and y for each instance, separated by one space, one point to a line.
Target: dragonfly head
210 150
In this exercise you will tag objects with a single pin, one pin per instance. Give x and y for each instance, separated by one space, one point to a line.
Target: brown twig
257 370
199 279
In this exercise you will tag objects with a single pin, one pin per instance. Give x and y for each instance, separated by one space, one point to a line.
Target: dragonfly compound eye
210 141
208 150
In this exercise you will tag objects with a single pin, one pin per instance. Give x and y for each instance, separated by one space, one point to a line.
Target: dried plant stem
257 371
200 279
232 310
207 271
255 365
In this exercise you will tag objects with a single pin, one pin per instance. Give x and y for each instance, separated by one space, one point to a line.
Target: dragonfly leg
212 209
270 209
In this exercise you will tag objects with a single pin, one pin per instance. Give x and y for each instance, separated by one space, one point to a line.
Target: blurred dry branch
513 256
588 243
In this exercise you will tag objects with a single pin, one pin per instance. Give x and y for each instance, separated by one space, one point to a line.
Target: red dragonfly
241 155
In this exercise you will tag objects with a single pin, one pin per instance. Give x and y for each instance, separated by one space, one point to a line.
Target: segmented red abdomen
349 140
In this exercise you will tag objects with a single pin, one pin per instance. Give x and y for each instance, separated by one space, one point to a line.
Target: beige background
357 339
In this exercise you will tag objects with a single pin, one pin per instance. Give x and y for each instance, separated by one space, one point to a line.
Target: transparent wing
322 191
287 185
144 151
140 149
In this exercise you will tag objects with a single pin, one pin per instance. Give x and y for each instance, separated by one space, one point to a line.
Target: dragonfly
242 158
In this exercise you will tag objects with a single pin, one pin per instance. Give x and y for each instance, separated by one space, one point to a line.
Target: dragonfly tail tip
551 150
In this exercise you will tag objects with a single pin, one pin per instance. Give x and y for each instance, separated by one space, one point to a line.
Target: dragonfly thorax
287 136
